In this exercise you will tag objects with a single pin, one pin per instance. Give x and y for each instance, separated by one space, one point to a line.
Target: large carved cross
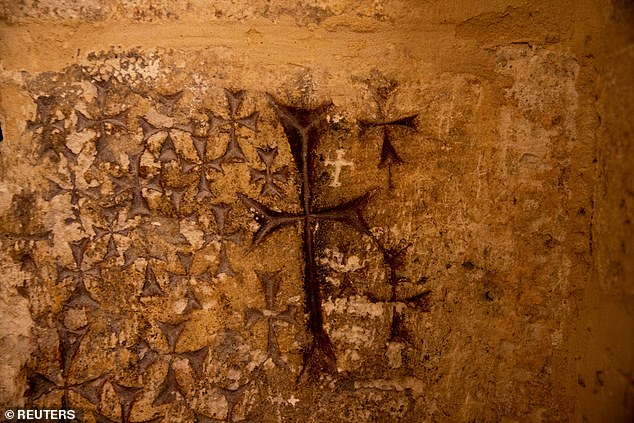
303 128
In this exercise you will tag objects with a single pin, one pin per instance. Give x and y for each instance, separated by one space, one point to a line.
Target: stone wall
327 211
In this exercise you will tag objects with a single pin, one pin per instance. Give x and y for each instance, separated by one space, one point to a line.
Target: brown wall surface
382 210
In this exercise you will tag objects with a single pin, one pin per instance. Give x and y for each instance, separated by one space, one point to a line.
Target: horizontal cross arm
349 213
269 220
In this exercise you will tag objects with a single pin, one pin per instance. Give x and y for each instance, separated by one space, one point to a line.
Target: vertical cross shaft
303 128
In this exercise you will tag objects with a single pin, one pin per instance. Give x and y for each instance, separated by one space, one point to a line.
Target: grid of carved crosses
139 193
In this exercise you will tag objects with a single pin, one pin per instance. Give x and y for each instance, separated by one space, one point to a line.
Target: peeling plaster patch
15 336
356 305
394 354
192 233
89 91
397 384
76 140
158 119
339 263
353 334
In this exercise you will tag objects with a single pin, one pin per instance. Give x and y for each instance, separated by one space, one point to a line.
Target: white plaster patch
158 119
356 305
89 90
192 233
75 141
179 306
394 354
353 335
339 263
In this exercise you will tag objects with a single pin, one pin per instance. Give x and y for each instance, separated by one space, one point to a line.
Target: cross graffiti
233 152
48 126
270 286
222 237
101 124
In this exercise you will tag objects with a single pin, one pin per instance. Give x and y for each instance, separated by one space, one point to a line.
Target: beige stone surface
488 275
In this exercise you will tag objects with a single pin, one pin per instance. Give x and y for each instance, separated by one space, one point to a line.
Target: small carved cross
110 230
170 387
187 260
40 385
76 195
268 176
101 123
167 151
151 286
48 126
220 212
80 295
270 285
389 157
134 183
201 167
233 152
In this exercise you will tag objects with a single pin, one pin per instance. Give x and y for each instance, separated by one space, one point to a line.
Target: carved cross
80 295
41 385
201 167
76 195
151 285
389 157
270 177
394 260
187 260
48 127
270 286
134 183
302 128
220 212
110 230
101 124
233 152
170 388
167 152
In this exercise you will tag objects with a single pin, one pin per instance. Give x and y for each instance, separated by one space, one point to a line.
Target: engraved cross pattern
270 286
101 124
233 153
80 295
170 389
220 212
303 128
389 156
48 126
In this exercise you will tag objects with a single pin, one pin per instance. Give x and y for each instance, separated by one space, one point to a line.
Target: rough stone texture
458 247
